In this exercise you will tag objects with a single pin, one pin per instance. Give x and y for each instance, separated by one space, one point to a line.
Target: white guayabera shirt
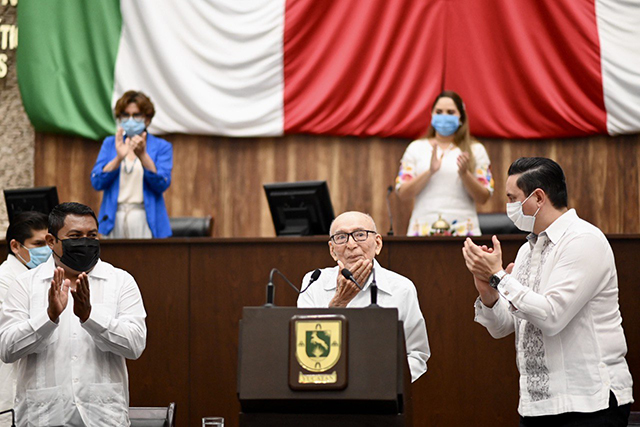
394 291
69 370
562 303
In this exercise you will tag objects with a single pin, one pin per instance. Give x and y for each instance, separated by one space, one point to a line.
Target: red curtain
526 69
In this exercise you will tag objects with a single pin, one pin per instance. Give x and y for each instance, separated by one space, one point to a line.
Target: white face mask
522 221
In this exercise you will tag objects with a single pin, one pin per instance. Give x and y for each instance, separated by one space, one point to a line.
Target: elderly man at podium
354 243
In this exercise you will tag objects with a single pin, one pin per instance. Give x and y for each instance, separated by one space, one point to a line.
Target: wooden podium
377 389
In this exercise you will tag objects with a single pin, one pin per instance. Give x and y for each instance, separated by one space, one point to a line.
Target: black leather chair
497 223
190 226
153 417
634 419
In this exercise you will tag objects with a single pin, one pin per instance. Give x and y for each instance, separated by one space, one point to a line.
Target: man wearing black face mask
72 369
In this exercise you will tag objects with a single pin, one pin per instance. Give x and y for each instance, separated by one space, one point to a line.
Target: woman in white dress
447 172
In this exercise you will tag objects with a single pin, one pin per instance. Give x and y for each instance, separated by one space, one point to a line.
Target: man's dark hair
60 212
540 172
23 225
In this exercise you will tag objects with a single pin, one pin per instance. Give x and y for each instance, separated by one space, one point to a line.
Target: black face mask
80 254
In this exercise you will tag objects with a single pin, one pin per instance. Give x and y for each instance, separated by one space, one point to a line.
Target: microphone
374 289
314 276
389 191
349 276
271 290
13 416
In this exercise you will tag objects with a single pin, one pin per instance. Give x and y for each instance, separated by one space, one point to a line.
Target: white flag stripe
211 67
619 31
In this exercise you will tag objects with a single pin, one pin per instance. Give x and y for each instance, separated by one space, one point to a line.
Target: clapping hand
139 144
82 298
121 147
481 261
463 162
436 161
58 294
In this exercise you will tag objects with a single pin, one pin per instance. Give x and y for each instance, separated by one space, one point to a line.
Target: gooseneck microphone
349 276
271 290
389 191
314 276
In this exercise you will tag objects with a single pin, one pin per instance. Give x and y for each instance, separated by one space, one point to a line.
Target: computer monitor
40 199
300 208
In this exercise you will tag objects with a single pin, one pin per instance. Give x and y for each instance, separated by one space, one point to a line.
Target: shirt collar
45 270
557 228
15 264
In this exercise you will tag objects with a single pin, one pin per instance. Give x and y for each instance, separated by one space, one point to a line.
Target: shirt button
506 292
75 380
74 335
74 358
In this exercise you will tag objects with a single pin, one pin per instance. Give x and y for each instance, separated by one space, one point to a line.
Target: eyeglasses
358 236
138 117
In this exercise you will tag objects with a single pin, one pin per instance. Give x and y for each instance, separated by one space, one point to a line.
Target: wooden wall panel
224 176
161 375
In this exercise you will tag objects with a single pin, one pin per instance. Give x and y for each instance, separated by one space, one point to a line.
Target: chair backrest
189 226
153 416
496 223
634 419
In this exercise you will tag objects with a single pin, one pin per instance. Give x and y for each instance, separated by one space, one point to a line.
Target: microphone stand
271 290
374 290
389 191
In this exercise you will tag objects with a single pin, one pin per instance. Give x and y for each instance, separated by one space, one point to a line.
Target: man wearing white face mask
560 297
27 249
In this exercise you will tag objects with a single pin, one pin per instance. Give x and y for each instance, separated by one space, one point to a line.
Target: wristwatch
495 279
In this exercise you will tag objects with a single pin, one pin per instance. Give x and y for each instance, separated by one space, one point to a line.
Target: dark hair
457 99
140 99
540 172
60 212
23 225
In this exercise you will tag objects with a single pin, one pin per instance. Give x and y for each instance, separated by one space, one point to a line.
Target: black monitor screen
300 208
40 199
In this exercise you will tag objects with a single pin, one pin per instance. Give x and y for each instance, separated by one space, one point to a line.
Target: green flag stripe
65 61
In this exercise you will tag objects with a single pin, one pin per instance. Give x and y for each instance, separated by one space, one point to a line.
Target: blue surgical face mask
445 124
37 255
132 127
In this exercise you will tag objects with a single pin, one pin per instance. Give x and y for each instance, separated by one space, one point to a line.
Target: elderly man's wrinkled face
354 237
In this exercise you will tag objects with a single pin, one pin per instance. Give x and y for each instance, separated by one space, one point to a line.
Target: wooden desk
194 291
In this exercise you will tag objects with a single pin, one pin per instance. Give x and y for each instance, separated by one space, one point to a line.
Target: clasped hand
59 296
346 290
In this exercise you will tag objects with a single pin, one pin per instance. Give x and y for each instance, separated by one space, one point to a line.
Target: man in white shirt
354 243
561 300
27 249
71 354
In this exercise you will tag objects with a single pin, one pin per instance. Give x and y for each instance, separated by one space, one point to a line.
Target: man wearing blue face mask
69 325
27 249
560 297
133 170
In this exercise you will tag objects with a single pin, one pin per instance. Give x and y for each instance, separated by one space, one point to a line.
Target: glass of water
212 422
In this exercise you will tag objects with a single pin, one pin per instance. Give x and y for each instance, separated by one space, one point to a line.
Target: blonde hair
462 137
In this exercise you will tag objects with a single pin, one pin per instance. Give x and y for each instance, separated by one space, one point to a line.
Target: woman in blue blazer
133 170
